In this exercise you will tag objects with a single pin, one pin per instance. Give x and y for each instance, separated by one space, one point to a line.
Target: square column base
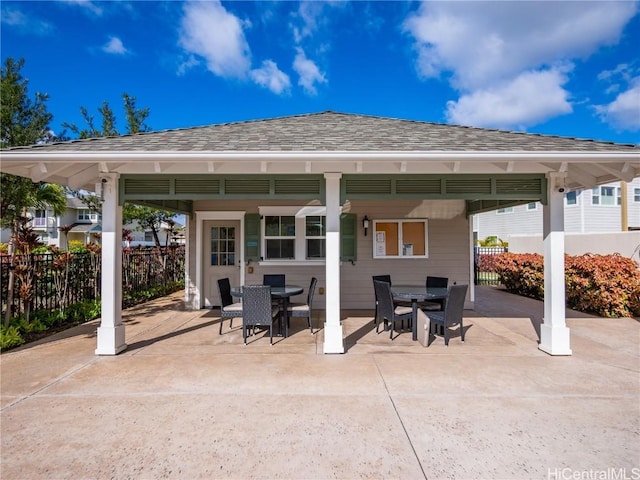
111 340
333 340
554 340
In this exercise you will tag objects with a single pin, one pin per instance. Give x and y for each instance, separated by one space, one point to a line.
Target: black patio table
278 293
417 293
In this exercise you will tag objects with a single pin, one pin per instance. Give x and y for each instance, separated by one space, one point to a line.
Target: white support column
554 333
333 336
111 339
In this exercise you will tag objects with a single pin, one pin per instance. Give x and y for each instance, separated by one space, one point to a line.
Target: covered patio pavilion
339 165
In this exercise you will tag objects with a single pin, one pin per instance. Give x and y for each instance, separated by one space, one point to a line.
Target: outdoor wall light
365 225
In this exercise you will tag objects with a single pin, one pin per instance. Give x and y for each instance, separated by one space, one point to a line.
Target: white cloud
269 76
88 5
530 98
115 46
310 13
210 31
15 18
624 112
309 73
187 64
478 45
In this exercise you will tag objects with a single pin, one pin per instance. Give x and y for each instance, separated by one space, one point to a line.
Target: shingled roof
331 132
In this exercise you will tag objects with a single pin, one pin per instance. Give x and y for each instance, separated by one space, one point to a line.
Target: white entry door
221 244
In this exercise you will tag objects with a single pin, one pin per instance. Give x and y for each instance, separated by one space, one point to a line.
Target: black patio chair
273 279
257 309
379 278
228 309
387 310
435 282
304 309
451 315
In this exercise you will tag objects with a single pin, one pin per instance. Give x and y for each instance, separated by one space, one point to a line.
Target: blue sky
567 68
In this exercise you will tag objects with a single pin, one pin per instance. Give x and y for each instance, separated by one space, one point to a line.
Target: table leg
414 319
285 316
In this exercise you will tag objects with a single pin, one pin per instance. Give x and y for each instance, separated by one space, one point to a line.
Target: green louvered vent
370 185
416 186
297 186
528 185
198 186
246 186
468 185
147 186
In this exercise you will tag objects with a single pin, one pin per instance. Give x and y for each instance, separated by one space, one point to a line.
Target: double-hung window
40 218
293 233
571 198
280 237
315 236
605 195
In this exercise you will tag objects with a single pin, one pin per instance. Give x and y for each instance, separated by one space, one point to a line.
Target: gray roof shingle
332 132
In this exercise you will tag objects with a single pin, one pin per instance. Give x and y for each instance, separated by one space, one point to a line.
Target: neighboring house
594 210
86 228
85 225
337 196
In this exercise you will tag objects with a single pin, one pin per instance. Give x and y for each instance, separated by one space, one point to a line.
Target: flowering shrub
606 285
521 273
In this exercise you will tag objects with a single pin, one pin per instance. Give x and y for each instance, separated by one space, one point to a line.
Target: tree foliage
147 218
135 120
23 120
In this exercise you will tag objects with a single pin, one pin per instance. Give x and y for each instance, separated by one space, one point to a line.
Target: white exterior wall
626 244
449 247
584 217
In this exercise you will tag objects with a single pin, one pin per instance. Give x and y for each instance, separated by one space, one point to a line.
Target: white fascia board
365 156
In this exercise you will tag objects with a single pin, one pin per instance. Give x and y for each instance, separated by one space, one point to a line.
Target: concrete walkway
183 402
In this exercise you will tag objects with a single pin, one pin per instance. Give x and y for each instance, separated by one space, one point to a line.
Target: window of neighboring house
636 195
148 237
571 198
605 195
502 211
40 219
85 215
532 206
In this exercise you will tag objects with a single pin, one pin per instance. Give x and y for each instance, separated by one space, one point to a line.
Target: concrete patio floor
184 402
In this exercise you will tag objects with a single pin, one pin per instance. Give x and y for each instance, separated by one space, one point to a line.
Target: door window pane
223 246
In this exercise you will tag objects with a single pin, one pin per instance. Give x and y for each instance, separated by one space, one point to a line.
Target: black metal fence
484 273
53 282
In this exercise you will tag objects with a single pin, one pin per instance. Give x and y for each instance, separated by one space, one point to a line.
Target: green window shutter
252 237
348 237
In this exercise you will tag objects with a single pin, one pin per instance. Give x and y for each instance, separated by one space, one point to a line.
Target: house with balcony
86 228
601 219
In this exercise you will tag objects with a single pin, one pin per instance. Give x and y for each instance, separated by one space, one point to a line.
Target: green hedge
606 285
47 322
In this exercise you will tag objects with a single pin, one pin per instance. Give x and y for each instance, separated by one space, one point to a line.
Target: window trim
596 193
566 199
86 215
300 240
504 211
400 222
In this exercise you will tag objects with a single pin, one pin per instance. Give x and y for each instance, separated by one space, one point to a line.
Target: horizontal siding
449 249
